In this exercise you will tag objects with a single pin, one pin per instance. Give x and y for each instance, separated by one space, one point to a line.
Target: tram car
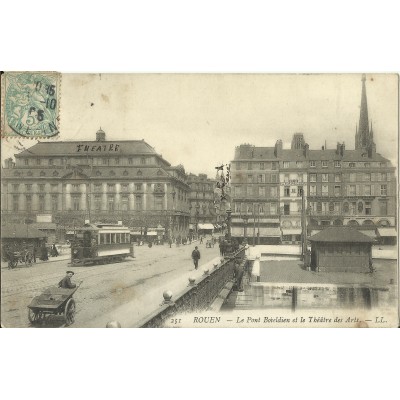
100 244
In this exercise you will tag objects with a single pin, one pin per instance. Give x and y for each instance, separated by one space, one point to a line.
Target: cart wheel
28 259
14 263
33 316
69 312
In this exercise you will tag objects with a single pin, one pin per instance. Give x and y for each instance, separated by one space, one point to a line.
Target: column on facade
104 197
35 197
47 197
83 192
117 196
165 197
131 196
67 194
144 205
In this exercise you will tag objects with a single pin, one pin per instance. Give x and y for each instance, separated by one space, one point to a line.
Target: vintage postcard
199 200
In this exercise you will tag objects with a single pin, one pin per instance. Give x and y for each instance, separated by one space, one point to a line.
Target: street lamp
173 193
197 217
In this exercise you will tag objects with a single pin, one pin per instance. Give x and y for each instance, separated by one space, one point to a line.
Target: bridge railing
197 296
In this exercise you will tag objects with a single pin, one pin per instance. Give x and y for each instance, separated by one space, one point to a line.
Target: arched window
98 173
112 173
368 222
360 207
331 207
353 223
126 173
55 173
346 208
139 173
383 222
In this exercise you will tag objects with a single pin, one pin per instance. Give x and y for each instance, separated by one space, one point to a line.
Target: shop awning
135 233
314 231
191 226
206 226
267 232
387 232
291 231
370 233
151 233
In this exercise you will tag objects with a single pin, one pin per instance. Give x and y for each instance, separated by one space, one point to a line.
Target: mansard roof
256 153
89 148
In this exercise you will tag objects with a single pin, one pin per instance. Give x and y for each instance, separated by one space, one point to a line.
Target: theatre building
107 181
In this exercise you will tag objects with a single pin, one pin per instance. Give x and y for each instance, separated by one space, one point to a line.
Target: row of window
257 208
363 190
301 164
366 177
203 187
252 165
112 238
96 161
261 191
348 208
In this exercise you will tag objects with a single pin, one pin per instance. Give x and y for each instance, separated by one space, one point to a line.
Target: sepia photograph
199 200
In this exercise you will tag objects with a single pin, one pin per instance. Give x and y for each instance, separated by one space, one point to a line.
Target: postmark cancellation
30 104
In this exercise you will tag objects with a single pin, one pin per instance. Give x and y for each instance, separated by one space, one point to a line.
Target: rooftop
340 234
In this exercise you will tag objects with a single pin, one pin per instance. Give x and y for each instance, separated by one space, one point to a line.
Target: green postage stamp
30 104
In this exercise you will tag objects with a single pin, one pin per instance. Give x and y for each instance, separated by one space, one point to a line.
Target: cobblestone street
105 287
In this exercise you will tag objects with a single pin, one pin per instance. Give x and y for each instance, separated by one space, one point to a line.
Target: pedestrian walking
196 257
201 239
222 248
238 273
54 251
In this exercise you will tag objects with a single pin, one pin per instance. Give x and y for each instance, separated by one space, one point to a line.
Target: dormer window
313 164
324 164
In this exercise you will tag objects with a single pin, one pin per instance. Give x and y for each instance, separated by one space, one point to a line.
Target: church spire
364 139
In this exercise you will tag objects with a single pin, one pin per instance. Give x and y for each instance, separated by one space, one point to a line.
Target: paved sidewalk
4 264
132 312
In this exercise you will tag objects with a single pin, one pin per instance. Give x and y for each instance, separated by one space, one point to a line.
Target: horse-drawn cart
53 301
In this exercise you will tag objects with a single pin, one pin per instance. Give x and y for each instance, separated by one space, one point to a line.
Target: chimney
278 148
306 150
342 149
100 136
322 148
338 148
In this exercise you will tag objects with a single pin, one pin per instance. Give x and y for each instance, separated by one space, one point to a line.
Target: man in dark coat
196 257
66 283
238 272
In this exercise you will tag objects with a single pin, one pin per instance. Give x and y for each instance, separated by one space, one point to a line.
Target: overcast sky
197 120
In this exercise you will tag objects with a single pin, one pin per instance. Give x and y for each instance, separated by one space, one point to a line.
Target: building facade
106 181
290 188
203 202
255 194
